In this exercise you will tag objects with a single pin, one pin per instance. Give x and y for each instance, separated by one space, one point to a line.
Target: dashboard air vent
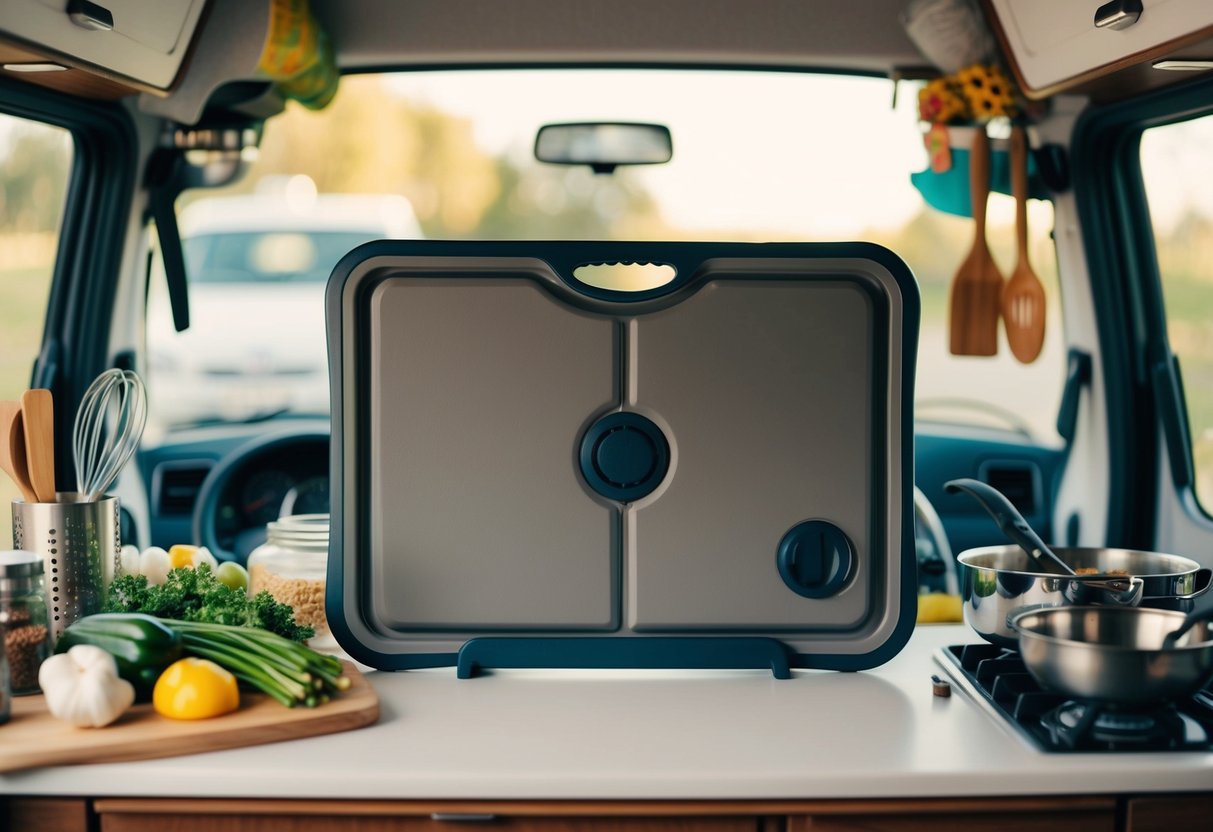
179 486
1018 482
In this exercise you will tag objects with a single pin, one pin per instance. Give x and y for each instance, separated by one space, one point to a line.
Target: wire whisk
108 427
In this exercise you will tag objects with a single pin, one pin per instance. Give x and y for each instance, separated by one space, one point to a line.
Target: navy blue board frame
574 650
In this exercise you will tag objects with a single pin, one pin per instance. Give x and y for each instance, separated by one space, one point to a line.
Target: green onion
290 672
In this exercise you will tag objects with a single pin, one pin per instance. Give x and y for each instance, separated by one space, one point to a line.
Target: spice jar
23 618
291 566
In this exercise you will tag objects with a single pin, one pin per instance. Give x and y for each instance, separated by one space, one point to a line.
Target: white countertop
569 734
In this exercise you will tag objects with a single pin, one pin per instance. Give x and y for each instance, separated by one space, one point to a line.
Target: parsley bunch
191 594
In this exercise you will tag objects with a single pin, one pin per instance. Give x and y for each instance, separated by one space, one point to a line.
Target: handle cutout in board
626 277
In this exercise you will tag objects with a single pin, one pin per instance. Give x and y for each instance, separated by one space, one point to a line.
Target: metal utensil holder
75 539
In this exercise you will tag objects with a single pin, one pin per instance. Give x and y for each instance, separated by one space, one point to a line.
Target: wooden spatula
12 449
976 298
38 417
1023 298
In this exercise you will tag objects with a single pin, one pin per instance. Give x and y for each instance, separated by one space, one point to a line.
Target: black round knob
815 559
624 456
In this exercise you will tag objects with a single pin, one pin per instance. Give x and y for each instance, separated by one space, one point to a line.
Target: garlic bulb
203 555
82 687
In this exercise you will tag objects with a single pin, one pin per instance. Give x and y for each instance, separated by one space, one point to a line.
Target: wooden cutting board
34 738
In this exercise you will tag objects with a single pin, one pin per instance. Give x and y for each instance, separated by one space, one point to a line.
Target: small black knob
815 559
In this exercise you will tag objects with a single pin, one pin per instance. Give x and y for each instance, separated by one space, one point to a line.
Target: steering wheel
240 463
936 566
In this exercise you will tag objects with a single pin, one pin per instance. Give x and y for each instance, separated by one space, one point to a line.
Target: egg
155 564
129 560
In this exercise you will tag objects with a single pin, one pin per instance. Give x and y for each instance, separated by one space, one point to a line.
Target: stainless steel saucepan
1115 655
997 582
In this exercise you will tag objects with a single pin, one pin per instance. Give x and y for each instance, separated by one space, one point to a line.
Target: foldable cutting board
549 472
34 738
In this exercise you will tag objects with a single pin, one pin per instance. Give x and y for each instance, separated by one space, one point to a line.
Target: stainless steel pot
1114 654
999 581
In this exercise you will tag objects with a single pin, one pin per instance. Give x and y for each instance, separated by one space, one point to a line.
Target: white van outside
257 266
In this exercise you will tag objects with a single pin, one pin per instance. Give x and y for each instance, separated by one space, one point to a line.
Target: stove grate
1054 722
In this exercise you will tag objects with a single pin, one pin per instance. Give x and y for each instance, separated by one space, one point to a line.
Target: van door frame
90 246
1149 448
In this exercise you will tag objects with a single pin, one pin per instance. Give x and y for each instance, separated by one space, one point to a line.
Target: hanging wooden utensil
976 296
1023 298
12 449
38 417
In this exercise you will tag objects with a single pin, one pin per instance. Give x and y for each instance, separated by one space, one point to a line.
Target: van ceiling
838 34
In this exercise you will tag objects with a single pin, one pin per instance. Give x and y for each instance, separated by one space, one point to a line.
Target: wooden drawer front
1170 813
968 821
169 822
43 814
1070 814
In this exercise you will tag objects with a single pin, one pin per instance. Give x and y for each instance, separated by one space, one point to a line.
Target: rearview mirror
603 145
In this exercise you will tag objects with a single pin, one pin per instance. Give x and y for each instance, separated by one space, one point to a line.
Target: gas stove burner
1000 683
1073 723
1071 715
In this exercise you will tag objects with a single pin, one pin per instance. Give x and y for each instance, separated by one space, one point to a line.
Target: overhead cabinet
144 41
1054 46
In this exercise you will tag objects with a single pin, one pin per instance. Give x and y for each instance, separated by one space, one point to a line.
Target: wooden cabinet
1100 813
1060 814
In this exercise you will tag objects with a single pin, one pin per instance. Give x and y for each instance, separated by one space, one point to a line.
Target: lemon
939 608
194 688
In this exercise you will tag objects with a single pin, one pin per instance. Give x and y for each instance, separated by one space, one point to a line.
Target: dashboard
220 486
289 479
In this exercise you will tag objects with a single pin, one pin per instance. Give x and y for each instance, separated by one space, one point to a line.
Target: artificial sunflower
939 102
987 90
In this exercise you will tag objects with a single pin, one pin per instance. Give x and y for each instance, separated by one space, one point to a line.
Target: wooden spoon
1023 298
12 449
976 297
38 416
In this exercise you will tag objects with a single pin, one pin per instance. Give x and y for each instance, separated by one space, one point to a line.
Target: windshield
758 156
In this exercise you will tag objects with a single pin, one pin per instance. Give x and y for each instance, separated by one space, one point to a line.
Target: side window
1177 167
35 160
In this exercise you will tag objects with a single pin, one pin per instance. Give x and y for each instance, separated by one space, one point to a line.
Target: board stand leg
723 653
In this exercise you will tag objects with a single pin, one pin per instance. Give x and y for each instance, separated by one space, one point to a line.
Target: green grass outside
1189 304
23 296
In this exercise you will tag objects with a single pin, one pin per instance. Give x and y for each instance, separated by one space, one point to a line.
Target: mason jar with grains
291 566
23 618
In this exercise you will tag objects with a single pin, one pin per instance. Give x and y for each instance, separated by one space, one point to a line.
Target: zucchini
141 645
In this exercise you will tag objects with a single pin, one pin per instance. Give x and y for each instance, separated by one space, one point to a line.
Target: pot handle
1204 580
1011 522
1201 611
1116 592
